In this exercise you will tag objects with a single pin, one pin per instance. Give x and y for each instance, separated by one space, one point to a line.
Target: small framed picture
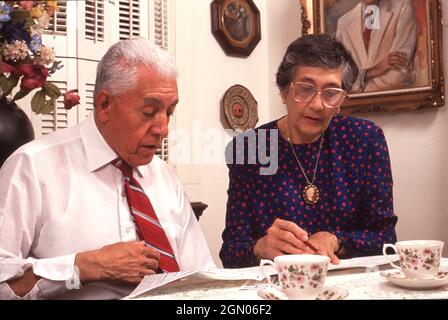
236 26
240 108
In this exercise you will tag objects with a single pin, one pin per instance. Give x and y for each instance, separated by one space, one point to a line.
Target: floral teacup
419 259
301 276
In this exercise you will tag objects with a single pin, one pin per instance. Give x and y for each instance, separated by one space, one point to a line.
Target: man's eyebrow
151 101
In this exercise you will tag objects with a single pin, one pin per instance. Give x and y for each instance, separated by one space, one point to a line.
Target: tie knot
123 166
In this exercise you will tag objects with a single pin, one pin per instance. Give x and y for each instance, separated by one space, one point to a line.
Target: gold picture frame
427 87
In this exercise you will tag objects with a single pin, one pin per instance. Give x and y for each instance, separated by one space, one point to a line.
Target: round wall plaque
240 108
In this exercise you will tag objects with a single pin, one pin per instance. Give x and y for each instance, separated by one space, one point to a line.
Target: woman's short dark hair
317 50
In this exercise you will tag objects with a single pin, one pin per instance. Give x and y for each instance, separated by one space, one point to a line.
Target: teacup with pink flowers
301 276
419 259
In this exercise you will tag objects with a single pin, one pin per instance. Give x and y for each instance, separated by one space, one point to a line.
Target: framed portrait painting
236 26
397 45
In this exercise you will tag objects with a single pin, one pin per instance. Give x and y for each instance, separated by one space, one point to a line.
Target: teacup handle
264 262
389 245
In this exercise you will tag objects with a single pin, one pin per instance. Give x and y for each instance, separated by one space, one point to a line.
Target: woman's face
307 120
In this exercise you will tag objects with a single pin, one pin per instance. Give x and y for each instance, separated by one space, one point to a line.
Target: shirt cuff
58 269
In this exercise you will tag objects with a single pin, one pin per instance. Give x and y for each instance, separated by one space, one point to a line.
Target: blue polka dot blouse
353 176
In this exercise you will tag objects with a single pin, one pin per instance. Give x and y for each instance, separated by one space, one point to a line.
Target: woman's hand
283 237
327 244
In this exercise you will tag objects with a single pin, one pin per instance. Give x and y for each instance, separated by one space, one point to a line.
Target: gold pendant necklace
310 193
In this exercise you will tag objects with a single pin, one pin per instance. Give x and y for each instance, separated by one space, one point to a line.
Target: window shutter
89 98
129 15
94 20
161 23
58 22
58 119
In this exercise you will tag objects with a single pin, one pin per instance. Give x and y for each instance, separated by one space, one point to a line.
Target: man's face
309 119
135 122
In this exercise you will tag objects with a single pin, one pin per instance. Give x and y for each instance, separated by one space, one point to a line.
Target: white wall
416 139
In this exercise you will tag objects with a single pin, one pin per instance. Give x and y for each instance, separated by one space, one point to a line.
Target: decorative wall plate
240 108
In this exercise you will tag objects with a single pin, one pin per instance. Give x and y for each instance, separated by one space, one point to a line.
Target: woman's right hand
283 237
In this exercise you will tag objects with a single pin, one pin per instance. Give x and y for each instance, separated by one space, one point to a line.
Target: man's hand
394 60
123 262
283 237
327 243
23 285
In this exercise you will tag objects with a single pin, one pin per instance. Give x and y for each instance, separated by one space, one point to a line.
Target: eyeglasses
305 92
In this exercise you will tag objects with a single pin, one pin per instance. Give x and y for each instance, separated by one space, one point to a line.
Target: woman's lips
313 119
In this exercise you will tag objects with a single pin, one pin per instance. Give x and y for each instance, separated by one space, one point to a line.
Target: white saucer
328 293
399 278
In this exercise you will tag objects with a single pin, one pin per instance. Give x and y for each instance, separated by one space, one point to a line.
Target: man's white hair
117 70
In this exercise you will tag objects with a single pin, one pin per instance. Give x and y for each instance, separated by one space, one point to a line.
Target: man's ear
102 105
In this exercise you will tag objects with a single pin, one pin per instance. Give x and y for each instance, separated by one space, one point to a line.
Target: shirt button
123 194
128 229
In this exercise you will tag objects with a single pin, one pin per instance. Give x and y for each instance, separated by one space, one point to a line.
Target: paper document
235 277
226 283
364 262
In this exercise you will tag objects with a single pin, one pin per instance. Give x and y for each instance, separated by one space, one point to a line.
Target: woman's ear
283 95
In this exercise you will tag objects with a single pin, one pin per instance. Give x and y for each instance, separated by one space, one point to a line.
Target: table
361 284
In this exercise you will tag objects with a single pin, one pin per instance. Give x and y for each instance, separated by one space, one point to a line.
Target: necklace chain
317 160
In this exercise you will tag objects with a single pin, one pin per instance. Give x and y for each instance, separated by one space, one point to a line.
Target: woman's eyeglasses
305 92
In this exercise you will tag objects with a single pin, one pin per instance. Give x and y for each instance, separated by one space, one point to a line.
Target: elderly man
92 204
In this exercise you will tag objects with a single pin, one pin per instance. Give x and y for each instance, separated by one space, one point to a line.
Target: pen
311 246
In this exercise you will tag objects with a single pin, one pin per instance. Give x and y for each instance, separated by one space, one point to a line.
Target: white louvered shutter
94 20
89 89
58 23
58 119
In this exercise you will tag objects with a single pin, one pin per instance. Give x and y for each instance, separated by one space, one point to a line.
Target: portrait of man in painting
388 40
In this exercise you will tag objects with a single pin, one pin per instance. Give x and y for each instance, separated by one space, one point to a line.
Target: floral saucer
400 279
328 293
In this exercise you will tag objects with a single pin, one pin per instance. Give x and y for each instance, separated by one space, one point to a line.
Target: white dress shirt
60 195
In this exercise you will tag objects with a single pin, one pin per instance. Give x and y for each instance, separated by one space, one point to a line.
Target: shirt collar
98 152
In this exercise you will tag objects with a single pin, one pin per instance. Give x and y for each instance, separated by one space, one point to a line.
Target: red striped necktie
145 219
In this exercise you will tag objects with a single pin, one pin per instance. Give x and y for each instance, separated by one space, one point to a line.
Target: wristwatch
339 246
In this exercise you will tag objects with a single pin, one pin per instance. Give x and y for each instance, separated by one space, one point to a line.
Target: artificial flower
24 59
34 76
71 99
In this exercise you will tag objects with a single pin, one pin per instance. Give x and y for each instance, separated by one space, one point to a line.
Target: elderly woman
333 184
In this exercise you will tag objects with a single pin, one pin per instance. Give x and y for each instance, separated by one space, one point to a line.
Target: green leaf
9 84
49 106
19 95
38 102
20 15
52 90
29 23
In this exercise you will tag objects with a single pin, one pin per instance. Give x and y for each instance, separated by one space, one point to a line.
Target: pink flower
71 99
27 5
34 76
7 68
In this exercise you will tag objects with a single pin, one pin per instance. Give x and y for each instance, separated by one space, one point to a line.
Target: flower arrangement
23 57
